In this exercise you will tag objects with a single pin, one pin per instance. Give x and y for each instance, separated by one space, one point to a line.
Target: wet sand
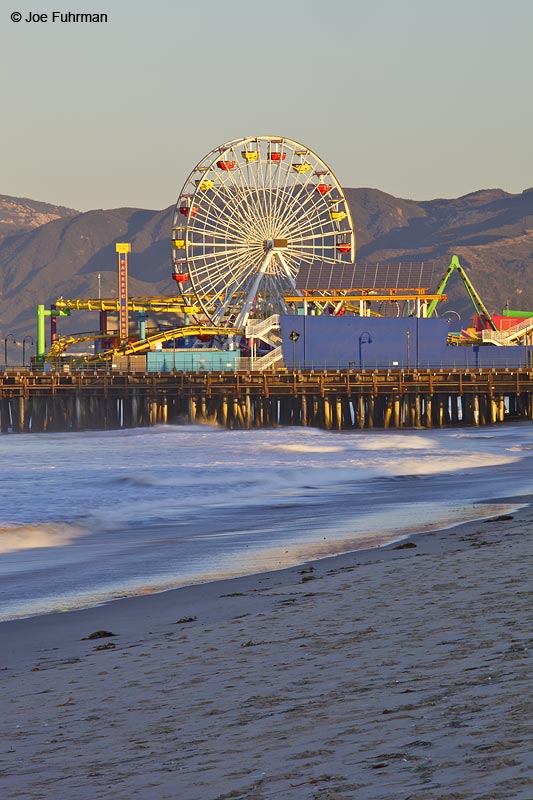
403 673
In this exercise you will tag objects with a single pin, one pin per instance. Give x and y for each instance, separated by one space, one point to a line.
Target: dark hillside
490 230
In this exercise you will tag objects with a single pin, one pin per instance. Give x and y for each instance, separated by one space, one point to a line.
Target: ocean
89 517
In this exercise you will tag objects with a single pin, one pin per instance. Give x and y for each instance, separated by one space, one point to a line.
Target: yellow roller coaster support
155 304
144 345
58 347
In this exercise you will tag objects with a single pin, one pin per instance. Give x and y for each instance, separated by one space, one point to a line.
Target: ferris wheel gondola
249 215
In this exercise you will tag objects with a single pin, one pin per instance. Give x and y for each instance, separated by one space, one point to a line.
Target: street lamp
26 339
451 311
408 337
294 336
365 338
9 336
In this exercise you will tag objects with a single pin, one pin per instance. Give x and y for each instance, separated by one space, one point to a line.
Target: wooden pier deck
333 400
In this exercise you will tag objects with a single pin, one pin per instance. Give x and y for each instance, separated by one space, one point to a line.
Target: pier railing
330 399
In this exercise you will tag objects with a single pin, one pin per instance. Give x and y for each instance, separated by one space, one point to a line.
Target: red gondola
280 156
324 188
344 247
188 211
226 165
180 277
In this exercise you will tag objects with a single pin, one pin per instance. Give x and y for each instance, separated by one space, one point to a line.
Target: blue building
353 342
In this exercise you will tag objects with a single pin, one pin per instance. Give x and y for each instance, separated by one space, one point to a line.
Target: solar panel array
331 277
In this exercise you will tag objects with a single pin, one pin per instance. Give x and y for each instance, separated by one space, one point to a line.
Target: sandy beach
397 673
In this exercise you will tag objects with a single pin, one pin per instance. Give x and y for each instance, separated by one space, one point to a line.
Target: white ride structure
249 214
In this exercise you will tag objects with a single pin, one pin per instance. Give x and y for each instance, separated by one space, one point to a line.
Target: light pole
364 338
408 337
451 311
26 339
9 336
294 336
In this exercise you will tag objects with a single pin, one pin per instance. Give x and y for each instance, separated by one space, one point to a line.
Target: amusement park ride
252 215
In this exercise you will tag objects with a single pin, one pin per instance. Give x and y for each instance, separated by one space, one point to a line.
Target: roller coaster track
155 304
143 345
58 347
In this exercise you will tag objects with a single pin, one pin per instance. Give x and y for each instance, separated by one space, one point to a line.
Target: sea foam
16 537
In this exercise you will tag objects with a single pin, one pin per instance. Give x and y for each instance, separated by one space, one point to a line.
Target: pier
34 402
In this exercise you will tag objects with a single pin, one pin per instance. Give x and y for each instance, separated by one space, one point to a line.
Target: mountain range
48 251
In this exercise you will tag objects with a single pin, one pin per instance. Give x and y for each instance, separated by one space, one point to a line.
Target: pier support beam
397 408
334 401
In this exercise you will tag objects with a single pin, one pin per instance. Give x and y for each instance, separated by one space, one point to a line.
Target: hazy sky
419 98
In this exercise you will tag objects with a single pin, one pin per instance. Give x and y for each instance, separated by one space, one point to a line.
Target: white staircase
265 329
511 335
275 357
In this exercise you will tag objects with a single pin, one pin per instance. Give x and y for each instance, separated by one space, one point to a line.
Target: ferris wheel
249 215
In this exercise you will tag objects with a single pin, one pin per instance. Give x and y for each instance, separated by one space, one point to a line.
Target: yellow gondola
301 168
250 155
337 216
179 244
205 185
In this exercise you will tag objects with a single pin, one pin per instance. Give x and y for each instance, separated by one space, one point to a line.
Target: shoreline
399 669
301 555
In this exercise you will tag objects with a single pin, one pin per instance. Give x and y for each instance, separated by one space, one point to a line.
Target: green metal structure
43 312
507 312
477 302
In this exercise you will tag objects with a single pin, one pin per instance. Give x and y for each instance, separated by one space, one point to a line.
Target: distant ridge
19 214
47 251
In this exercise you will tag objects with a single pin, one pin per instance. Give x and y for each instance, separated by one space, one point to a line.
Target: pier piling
339 400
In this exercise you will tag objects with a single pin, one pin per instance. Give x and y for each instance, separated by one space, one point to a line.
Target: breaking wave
305 448
16 537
